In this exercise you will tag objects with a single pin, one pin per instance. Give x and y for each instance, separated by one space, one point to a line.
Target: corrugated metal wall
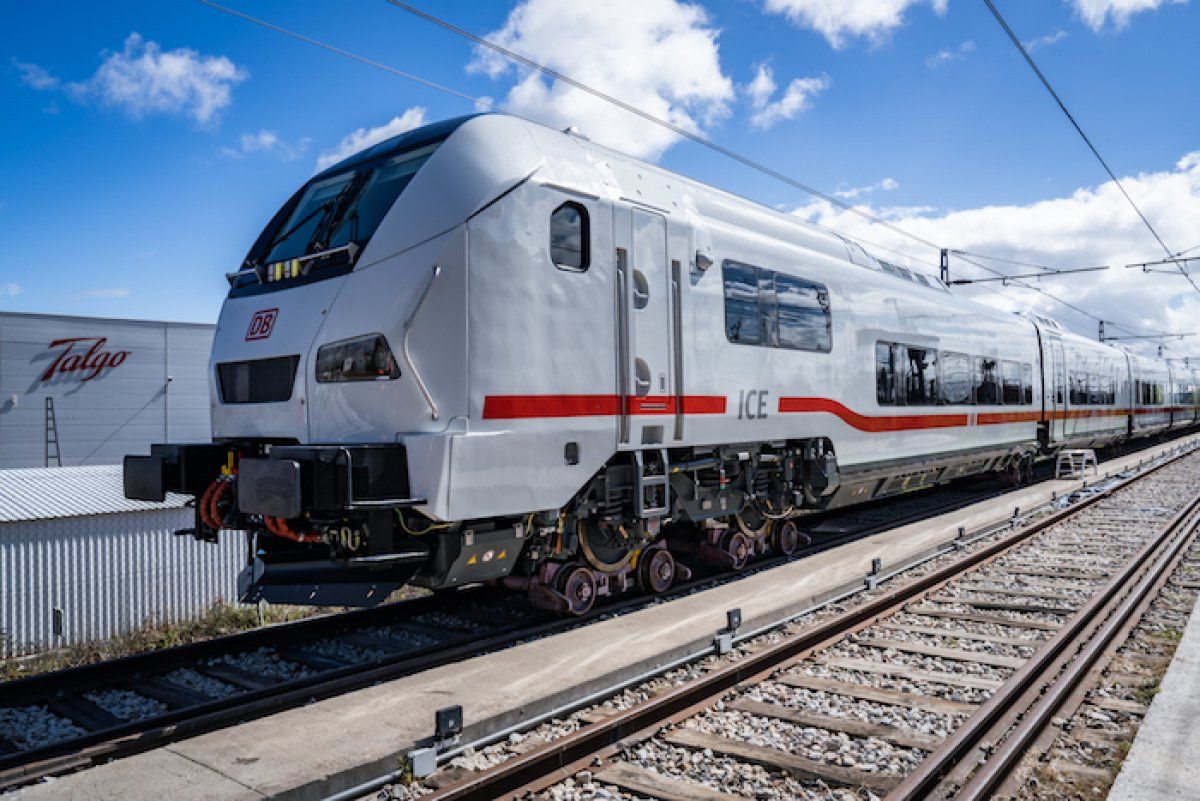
106 413
108 574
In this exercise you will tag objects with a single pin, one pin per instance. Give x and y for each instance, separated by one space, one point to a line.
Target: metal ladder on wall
52 450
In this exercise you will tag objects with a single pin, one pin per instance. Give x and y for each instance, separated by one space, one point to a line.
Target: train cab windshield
332 212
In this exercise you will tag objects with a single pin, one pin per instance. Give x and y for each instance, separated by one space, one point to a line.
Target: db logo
261 324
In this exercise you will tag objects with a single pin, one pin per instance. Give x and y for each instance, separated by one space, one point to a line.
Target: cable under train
488 351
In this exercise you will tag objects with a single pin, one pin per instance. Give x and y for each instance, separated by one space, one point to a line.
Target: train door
646 328
1056 390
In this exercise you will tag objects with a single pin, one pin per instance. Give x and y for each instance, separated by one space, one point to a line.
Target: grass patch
219 620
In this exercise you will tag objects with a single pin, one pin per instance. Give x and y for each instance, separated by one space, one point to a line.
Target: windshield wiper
324 207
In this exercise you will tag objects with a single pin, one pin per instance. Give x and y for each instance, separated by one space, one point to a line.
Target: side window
1027 384
1011 374
768 309
764 307
1108 395
569 237
987 383
741 303
1079 396
1093 388
922 377
956 379
804 319
885 375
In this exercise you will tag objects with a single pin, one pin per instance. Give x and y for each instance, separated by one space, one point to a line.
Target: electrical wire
645 115
1079 129
481 102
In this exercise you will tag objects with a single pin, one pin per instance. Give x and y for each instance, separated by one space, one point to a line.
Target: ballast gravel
837 705
200 683
125 704
265 662
34 726
867 755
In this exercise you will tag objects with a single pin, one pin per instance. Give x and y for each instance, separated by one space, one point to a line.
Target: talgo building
88 390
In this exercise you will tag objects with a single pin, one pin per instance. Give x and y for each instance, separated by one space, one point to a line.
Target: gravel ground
201 683
34 726
947 641
728 775
918 720
869 755
852 650
126 705
263 661
407 638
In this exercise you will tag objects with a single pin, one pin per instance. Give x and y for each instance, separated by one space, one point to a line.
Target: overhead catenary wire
485 103
1086 139
656 120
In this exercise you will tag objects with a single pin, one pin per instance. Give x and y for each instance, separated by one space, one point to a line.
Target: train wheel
607 548
578 586
788 538
737 547
656 571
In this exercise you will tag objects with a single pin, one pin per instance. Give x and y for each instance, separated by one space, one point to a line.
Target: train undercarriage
333 525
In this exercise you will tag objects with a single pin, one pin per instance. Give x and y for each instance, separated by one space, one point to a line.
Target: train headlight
360 359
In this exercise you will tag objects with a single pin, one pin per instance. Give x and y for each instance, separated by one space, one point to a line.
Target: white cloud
886 185
841 20
143 79
658 55
796 98
35 76
115 292
266 142
1092 226
12 290
365 137
1097 13
1046 41
943 57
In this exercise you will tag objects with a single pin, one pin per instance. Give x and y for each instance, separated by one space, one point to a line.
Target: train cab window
569 237
1027 384
1010 373
921 380
885 374
987 382
1094 389
741 303
803 315
956 379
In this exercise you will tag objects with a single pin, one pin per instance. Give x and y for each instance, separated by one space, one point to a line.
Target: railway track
58 722
945 687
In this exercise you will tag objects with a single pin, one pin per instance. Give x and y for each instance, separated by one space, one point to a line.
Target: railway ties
897 697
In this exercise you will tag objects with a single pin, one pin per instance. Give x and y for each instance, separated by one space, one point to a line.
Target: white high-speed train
485 350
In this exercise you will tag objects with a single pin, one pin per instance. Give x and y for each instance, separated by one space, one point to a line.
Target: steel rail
537 769
1075 634
1005 757
134 736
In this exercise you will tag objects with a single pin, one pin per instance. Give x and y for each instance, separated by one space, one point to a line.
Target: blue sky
123 205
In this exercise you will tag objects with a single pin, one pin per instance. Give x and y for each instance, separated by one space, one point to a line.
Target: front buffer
326 523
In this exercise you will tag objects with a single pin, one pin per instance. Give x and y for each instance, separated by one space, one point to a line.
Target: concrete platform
331 745
1164 762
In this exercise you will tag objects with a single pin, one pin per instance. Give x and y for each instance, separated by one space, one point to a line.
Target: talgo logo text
83 357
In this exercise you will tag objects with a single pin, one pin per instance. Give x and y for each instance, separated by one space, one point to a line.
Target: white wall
122 409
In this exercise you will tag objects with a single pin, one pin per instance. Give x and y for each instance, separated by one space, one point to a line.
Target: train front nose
261 355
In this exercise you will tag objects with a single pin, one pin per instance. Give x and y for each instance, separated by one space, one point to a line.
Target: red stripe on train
519 407
900 422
